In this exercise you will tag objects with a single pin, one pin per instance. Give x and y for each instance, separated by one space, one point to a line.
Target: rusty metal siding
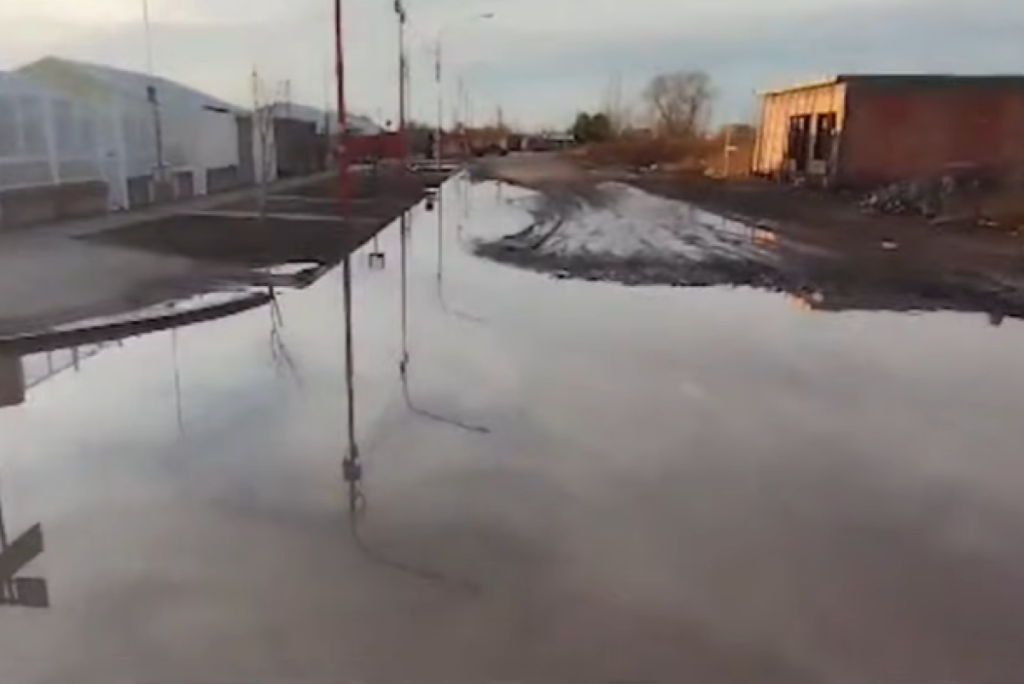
776 110
895 133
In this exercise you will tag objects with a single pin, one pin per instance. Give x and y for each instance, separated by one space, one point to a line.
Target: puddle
693 483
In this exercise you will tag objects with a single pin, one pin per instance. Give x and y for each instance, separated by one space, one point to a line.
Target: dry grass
642 151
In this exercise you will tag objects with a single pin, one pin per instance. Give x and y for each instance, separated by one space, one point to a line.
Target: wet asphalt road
706 485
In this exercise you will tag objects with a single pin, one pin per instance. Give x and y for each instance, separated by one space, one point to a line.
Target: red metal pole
403 76
351 466
344 182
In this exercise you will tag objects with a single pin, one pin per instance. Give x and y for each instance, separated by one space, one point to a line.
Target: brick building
869 129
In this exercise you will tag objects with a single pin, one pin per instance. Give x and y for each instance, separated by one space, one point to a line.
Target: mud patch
620 234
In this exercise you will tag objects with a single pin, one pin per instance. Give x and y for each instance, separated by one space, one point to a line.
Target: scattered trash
905 198
889 244
931 197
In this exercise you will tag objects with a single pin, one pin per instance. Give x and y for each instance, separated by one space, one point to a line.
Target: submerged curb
51 340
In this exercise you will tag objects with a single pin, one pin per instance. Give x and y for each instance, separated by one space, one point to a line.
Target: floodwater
588 483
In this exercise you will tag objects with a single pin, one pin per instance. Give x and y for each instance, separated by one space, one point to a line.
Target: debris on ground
961 194
917 197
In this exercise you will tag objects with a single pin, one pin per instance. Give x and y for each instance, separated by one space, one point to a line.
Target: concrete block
12 381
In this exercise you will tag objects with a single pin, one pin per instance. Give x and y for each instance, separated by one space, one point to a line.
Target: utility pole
440 103
151 95
352 469
344 182
403 76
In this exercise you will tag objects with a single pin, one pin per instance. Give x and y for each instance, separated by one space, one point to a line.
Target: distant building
870 129
199 134
51 162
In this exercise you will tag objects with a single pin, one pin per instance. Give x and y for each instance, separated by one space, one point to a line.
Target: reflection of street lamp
437 73
15 554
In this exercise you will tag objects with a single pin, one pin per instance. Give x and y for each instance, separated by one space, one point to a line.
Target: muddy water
591 483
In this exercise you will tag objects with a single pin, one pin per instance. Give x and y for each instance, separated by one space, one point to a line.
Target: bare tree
614 108
266 108
680 103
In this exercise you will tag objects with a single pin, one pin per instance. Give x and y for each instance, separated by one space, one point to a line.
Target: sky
539 61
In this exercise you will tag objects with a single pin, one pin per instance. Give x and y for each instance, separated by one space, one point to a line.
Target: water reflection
821 301
405 360
353 472
17 551
178 405
441 217
358 517
280 354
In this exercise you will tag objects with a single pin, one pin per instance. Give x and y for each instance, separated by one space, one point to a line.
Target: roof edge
808 85
921 79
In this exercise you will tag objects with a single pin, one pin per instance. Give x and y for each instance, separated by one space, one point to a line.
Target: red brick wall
916 132
381 146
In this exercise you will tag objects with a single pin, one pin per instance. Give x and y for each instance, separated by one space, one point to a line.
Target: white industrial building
79 139
45 137
201 145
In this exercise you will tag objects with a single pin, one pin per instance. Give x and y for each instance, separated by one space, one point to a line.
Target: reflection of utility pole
31 592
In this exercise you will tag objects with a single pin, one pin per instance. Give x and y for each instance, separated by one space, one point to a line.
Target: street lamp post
438 49
152 97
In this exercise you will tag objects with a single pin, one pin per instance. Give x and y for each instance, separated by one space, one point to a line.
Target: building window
9 129
824 134
799 140
64 125
33 126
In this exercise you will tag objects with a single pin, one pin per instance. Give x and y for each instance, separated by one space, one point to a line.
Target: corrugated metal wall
776 110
